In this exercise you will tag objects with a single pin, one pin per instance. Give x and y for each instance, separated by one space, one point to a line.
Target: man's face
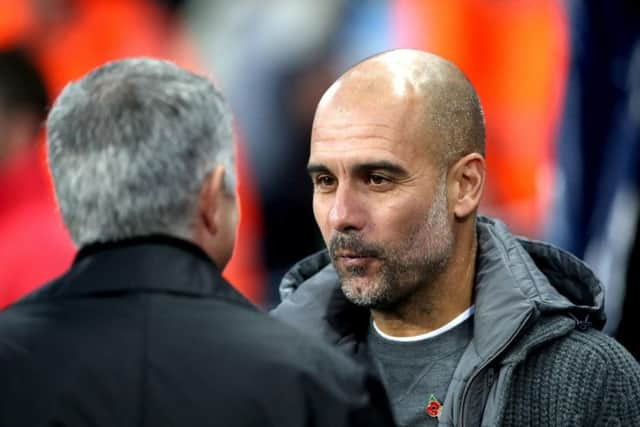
380 202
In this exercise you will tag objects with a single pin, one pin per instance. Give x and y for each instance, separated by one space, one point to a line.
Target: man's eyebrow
316 168
381 165
363 168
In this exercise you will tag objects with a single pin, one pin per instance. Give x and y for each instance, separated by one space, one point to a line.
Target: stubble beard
404 269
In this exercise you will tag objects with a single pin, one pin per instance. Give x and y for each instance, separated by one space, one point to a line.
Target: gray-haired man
142 329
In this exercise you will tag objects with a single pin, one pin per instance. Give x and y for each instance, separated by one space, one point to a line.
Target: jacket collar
519 283
155 263
314 303
517 280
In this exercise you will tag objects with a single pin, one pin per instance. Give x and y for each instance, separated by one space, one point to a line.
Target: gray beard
403 270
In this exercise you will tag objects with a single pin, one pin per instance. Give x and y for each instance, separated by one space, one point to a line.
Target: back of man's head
130 145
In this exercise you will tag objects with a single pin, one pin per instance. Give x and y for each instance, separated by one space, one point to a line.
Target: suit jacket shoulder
148 333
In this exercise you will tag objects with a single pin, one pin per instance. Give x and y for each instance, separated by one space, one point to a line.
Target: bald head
438 101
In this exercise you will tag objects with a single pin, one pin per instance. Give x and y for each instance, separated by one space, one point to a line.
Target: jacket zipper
467 387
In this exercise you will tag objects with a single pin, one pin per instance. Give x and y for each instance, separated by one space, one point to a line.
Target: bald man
466 324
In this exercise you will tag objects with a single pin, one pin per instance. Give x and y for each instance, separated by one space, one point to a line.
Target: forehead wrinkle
391 128
350 125
396 143
364 136
354 155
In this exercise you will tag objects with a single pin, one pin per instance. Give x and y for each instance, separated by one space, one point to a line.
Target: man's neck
435 303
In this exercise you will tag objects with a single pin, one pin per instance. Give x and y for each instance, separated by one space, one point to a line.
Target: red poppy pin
434 407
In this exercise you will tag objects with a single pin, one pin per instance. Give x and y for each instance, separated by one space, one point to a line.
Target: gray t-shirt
415 371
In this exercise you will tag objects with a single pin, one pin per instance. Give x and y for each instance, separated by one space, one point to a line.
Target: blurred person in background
67 38
34 245
466 323
143 329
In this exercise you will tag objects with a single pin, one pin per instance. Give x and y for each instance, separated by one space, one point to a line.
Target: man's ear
209 195
467 175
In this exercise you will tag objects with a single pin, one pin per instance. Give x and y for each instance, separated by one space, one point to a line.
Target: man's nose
347 212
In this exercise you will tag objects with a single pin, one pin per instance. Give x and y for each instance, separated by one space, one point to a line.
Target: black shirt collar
156 263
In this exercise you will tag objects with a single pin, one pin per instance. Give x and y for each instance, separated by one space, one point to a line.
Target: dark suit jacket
147 333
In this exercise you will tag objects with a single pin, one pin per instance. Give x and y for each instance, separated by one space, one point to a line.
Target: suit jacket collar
147 264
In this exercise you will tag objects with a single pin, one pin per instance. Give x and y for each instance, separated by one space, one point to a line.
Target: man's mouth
353 254
354 259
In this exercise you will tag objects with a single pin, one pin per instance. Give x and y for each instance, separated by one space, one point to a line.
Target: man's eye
378 179
324 181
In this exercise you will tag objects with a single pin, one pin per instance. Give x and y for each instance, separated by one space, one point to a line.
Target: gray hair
130 145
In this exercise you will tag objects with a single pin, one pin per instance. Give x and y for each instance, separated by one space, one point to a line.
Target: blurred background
559 81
